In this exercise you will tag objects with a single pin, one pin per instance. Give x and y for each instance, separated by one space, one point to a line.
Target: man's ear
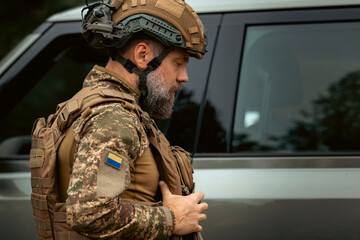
142 55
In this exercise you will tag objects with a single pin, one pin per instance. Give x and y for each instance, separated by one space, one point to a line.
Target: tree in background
18 18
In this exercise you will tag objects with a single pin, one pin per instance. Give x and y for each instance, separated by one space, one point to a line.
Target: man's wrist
170 217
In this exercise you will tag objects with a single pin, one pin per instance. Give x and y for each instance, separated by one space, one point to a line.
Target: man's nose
183 75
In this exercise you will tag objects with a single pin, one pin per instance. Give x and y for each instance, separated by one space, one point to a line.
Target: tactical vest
56 133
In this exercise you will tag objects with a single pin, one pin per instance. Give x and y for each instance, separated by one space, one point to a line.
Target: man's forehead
182 54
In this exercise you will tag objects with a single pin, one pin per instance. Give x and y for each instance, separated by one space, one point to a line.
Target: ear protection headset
98 28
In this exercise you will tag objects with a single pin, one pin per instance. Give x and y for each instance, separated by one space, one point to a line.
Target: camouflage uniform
91 209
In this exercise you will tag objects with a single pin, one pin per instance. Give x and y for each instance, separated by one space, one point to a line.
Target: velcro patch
113 174
114 160
176 8
193 30
124 7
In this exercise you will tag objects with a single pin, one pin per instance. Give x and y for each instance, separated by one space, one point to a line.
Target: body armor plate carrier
47 137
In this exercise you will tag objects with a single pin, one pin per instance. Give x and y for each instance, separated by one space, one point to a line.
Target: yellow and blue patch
114 161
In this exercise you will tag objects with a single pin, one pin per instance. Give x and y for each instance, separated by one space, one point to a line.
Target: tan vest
52 153
144 179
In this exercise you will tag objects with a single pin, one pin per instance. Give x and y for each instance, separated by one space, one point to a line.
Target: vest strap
71 107
37 143
69 235
59 216
41 182
40 204
37 157
42 224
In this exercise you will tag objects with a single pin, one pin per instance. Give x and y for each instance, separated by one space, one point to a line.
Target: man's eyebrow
186 59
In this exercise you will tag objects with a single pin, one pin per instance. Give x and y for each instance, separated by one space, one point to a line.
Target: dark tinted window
57 85
299 89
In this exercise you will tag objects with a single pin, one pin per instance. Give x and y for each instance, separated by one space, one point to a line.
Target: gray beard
159 102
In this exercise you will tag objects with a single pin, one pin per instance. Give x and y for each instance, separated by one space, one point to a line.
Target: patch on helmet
176 8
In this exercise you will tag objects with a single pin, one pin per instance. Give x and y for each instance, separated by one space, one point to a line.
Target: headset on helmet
110 25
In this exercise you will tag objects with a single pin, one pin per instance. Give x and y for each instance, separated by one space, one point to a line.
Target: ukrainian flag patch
114 161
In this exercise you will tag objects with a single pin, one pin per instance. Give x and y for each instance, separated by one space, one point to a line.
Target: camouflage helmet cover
176 12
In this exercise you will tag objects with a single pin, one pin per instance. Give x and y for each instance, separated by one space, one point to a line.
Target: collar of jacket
105 77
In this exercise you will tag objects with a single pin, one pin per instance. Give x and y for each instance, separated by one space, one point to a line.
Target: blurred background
20 17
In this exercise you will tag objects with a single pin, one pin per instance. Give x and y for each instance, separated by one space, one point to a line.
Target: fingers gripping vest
53 140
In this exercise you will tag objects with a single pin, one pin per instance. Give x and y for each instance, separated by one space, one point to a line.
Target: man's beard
159 101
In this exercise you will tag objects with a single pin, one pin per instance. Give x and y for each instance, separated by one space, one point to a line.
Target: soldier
113 190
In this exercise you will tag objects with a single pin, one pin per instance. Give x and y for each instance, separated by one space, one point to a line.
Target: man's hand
187 210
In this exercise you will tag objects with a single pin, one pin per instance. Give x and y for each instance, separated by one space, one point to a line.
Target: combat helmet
111 24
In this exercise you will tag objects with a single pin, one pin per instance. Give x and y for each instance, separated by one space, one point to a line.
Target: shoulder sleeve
109 141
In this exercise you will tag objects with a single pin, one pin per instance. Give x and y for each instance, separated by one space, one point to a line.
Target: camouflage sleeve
99 213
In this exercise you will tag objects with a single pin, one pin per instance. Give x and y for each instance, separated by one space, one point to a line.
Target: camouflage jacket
115 133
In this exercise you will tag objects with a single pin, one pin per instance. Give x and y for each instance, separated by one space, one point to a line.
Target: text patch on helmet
114 161
176 8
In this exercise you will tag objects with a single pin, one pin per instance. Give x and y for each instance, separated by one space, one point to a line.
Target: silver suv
271 116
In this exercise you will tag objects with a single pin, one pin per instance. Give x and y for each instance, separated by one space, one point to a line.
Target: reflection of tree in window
212 131
333 123
241 143
180 128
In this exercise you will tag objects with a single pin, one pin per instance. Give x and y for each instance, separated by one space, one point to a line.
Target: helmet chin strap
151 66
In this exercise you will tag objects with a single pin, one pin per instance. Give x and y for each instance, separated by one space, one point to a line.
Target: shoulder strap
86 98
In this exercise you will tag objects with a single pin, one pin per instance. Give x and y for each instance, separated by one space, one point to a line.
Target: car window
299 89
61 81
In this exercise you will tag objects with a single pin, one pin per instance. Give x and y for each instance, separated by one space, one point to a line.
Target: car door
277 153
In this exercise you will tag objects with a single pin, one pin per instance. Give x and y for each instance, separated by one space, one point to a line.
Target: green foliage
20 17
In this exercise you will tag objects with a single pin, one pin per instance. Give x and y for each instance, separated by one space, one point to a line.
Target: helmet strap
151 66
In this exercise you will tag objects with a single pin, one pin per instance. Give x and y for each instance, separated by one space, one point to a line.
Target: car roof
212 6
